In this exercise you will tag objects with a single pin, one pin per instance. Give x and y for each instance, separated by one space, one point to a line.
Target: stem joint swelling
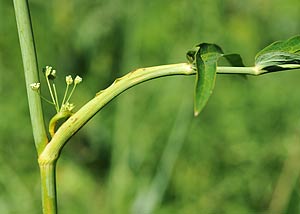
46 159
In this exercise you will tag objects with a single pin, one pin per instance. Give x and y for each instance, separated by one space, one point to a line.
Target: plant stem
31 72
77 120
51 93
55 97
65 95
48 184
71 93
31 76
238 70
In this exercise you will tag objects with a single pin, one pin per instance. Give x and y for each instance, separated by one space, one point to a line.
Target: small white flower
49 73
67 107
69 80
77 80
53 73
35 86
48 70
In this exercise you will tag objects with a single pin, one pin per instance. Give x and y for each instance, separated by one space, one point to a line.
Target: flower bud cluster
50 75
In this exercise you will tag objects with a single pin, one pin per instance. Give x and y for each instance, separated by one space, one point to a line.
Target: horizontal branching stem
239 70
77 120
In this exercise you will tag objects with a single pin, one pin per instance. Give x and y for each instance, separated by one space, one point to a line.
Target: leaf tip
196 113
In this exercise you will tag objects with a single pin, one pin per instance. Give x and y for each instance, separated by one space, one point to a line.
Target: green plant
202 62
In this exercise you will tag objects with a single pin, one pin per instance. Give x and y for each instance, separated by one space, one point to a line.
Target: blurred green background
145 152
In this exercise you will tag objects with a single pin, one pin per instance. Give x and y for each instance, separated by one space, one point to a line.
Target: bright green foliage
204 57
280 55
234 59
205 60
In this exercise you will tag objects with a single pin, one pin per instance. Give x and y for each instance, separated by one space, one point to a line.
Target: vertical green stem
31 75
31 72
48 184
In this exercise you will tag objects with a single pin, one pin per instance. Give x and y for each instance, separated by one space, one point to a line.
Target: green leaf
280 55
234 59
205 60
